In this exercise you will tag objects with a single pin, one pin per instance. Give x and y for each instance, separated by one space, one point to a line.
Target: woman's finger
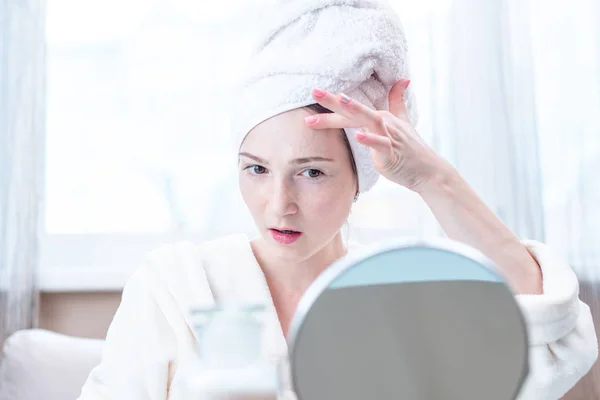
396 99
382 144
358 113
329 121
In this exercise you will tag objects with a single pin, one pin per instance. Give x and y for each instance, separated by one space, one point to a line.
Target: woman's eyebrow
255 158
306 160
301 160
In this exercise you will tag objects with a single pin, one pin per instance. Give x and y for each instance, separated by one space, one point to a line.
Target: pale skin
295 173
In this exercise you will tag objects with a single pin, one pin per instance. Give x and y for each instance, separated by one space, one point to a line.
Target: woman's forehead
287 134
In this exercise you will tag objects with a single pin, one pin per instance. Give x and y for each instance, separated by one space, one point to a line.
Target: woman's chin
288 251
296 251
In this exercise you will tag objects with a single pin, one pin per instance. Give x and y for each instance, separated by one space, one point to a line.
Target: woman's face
297 182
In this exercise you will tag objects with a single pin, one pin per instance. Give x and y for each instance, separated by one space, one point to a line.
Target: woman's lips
285 237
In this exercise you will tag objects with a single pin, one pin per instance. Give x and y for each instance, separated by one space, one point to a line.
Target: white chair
38 364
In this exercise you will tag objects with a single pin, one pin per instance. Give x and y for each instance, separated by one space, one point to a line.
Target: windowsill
82 279
98 262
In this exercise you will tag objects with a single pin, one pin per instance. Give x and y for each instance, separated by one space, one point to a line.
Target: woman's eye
313 173
257 169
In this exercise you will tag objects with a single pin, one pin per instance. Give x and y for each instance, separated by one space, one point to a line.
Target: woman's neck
288 279
294 276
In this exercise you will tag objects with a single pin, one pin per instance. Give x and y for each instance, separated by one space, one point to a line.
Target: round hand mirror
409 320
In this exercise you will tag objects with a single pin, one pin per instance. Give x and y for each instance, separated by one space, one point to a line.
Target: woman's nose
283 199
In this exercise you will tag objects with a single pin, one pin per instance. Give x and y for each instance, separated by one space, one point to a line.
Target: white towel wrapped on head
356 47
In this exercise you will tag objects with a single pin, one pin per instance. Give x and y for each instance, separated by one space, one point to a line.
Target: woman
302 163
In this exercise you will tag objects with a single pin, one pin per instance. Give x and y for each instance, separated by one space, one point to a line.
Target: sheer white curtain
21 159
473 73
509 91
566 46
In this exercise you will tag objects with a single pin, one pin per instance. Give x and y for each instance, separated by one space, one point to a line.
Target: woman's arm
465 218
403 157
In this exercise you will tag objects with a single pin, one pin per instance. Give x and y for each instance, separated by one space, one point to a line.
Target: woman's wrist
441 181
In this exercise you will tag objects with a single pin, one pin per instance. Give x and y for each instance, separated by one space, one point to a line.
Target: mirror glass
409 320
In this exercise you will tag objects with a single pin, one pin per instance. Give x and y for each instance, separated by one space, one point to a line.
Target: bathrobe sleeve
135 360
562 338
149 331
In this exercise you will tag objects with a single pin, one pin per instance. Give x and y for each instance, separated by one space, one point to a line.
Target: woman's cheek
327 199
251 188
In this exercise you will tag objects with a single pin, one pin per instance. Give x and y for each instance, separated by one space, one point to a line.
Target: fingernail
311 119
361 135
344 99
318 93
406 84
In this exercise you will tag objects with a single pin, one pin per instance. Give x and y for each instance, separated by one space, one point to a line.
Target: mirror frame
335 270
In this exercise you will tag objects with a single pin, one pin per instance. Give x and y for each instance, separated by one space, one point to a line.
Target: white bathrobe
150 335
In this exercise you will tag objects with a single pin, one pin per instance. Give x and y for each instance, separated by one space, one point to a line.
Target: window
137 117
138 150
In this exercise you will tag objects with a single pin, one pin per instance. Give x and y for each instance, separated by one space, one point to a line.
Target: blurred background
114 137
